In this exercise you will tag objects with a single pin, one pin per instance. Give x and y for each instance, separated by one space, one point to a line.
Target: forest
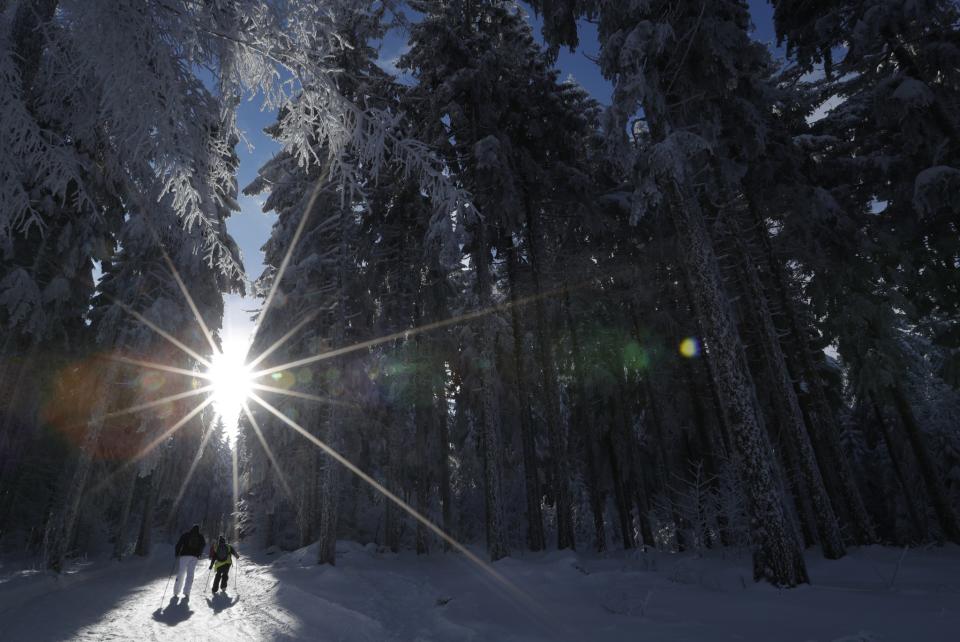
720 312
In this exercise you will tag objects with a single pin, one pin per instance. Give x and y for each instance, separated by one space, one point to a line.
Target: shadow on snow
174 613
221 601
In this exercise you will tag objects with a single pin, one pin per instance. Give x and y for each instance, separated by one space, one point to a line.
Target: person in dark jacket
221 558
188 550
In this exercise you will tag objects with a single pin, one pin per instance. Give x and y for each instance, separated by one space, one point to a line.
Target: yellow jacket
217 564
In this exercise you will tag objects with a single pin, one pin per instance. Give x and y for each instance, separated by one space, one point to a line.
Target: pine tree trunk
310 473
598 499
777 558
490 444
444 464
536 539
900 470
640 491
583 425
491 451
796 487
706 368
787 406
928 469
391 522
146 519
803 530
423 420
820 419
329 495
620 495
710 449
834 464
329 492
556 429
120 535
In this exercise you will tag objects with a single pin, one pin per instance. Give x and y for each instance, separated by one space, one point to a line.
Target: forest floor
874 594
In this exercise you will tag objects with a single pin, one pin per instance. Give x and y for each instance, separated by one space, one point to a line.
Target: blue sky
251 227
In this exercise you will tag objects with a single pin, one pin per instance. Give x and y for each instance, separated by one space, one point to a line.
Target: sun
232 382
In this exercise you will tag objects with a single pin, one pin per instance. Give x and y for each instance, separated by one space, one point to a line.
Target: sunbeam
303 395
405 334
439 532
150 365
235 506
193 467
266 447
170 431
279 342
156 442
158 402
186 295
317 188
163 333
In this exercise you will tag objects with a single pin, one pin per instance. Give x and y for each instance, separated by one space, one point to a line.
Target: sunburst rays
155 442
263 388
279 342
302 395
207 434
163 333
257 388
162 401
151 365
269 451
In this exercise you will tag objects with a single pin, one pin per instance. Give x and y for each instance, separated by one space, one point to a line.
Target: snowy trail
874 595
122 602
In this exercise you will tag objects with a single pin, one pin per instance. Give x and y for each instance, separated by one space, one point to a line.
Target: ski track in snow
870 596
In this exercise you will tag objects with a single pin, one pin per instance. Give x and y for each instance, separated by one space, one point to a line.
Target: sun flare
232 382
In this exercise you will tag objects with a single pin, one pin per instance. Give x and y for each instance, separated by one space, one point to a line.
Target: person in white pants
188 550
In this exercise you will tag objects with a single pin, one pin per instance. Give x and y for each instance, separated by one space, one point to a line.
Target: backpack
223 552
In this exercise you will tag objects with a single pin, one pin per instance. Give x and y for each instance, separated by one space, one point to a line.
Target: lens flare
690 348
284 380
635 356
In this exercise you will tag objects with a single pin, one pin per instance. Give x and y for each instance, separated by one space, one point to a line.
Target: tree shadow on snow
174 614
222 601
82 601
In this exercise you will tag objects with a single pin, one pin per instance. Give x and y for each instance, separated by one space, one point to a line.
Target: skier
220 559
188 551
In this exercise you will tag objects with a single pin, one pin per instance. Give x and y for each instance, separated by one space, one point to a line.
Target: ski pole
236 580
206 584
167 585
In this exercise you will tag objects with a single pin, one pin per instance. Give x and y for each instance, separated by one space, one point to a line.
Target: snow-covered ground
875 594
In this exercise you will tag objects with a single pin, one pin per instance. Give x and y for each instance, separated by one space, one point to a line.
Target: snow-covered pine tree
346 257
493 121
887 145
680 68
